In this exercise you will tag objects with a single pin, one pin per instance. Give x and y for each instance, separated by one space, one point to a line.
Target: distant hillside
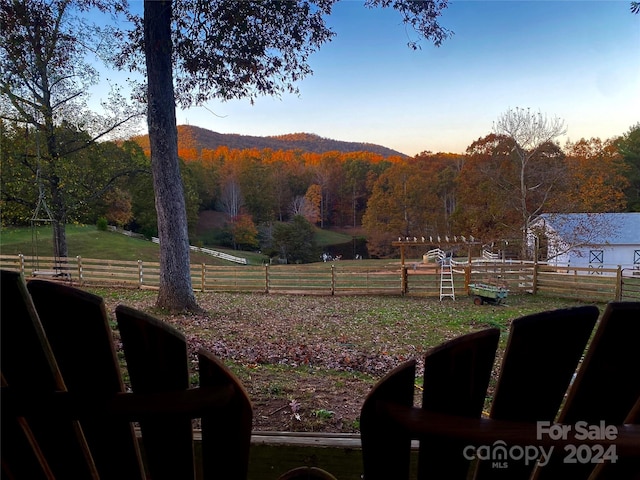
199 138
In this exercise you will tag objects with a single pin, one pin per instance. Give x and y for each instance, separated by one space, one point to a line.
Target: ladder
446 279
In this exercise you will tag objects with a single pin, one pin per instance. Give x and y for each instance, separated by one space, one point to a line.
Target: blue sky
578 60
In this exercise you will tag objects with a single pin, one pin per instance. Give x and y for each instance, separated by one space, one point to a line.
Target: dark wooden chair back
545 376
65 411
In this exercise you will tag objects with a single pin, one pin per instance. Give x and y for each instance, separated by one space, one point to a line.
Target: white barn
600 240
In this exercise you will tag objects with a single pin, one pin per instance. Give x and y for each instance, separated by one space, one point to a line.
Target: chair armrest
416 423
190 403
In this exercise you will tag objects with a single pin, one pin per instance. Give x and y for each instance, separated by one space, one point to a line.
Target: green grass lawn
83 240
327 237
89 242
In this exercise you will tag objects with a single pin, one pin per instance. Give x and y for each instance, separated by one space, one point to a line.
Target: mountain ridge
202 138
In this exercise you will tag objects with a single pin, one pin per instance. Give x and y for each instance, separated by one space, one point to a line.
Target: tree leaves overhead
38 61
46 75
43 58
421 15
232 49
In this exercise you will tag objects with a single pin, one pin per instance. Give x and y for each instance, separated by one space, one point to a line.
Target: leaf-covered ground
309 361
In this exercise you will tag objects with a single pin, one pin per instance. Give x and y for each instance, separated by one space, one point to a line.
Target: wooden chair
537 383
65 413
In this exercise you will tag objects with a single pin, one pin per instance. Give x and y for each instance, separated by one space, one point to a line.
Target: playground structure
42 217
453 242
446 279
488 291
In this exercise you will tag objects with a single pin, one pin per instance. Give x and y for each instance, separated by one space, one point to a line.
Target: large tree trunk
176 292
58 211
58 208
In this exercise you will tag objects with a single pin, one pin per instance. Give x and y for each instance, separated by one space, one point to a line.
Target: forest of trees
431 194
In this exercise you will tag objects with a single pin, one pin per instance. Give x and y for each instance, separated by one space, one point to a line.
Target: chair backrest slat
156 356
607 385
226 432
625 468
82 343
537 381
29 366
540 359
65 411
387 453
456 377
21 457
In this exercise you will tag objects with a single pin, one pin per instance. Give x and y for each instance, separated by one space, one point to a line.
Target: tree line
479 193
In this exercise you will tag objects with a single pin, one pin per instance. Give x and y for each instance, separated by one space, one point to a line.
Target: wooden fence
344 278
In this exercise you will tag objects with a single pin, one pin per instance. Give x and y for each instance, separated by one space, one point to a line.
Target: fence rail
630 284
592 284
213 253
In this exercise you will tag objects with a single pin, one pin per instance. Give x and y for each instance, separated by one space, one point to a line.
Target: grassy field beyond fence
108 258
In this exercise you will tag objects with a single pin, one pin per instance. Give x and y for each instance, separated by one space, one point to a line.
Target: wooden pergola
430 243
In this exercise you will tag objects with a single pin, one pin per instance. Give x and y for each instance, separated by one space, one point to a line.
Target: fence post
534 286
140 274
467 277
204 275
80 277
618 284
266 278
21 262
404 280
333 279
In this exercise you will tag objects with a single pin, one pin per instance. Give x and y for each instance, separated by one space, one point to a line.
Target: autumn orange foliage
480 193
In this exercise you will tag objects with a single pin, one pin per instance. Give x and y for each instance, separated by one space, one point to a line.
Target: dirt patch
314 404
303 371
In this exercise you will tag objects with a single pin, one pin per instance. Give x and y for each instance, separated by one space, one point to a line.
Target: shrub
102 224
